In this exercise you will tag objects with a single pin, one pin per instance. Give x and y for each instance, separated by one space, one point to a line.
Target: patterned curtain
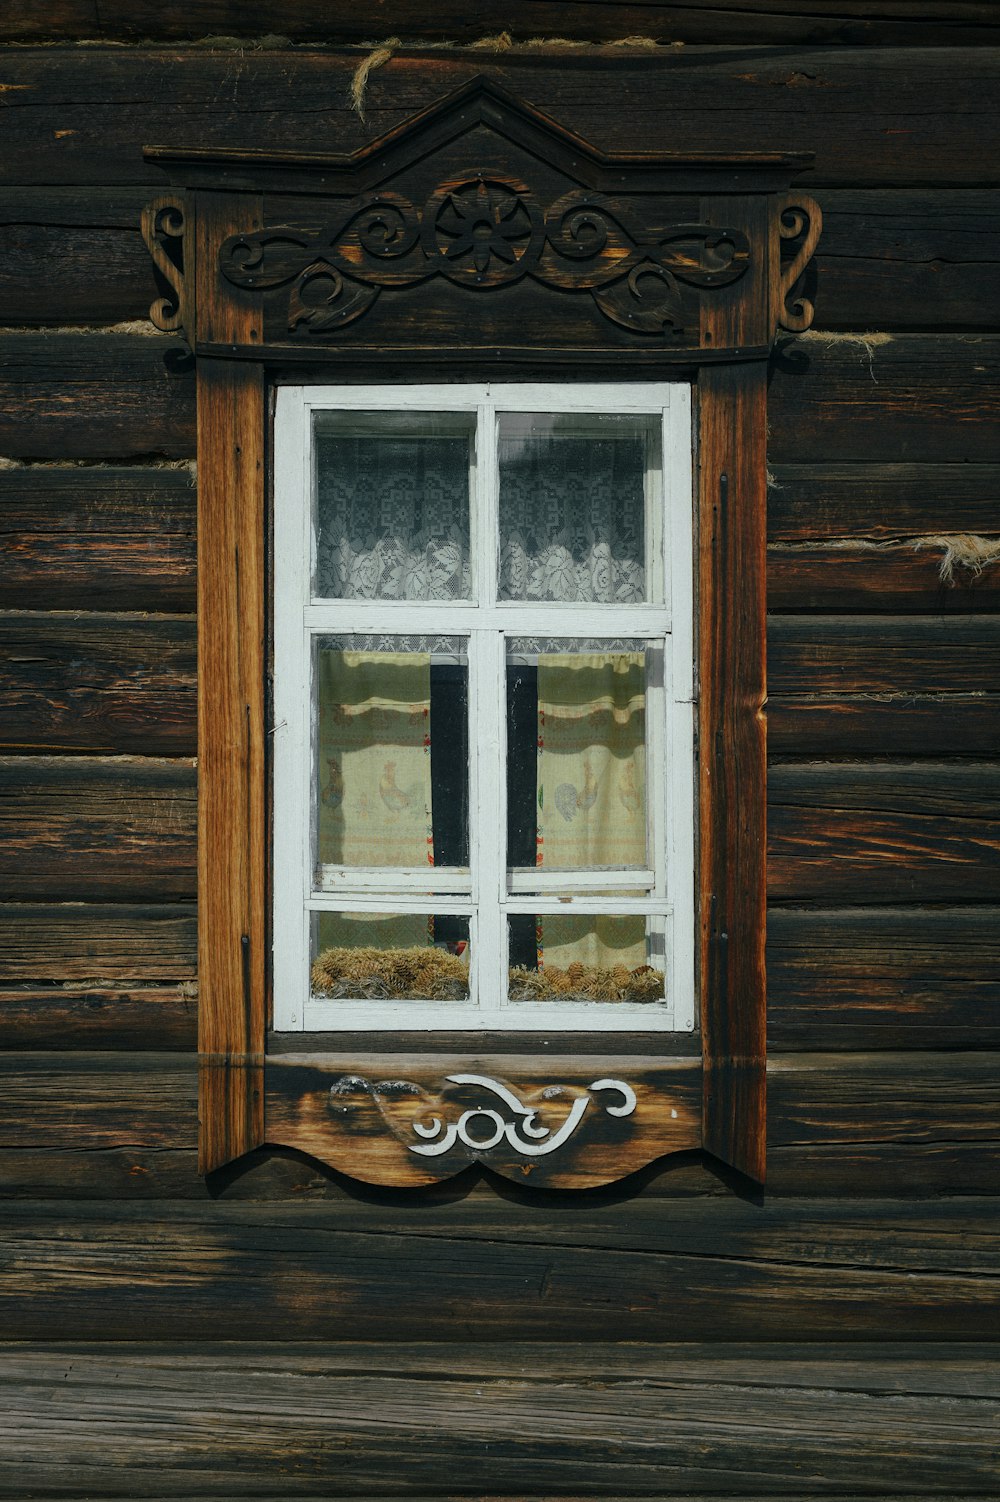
374 772
393 516
591 793
572 519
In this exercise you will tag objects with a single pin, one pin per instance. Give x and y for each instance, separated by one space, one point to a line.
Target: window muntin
636 658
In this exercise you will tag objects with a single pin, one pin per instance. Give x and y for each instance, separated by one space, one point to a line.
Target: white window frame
487 892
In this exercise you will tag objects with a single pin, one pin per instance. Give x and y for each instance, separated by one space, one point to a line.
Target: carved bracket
163 229
485 232
798 218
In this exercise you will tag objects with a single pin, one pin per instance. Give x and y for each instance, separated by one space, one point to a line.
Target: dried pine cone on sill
427 974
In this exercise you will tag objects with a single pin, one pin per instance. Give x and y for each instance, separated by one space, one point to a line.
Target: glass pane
575 495
392 505
390 957
391 763
586 957
576 763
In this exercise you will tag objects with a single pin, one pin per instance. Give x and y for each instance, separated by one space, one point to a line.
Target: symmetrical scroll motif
473 1113
799 218
163 232
486 232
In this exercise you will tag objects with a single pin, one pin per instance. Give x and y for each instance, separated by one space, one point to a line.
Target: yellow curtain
592 793
374 772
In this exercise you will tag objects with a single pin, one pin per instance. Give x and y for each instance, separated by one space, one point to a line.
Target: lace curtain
572 518
393 517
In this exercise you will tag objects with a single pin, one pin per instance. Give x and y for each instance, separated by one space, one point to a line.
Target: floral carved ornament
486 232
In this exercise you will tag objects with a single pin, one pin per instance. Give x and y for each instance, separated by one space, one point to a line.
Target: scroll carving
473 1113
487 232
162 226
799 218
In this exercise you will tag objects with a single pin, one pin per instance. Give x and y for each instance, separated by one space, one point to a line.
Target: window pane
576 764
392 505
575 496
586 957
390 957
391 761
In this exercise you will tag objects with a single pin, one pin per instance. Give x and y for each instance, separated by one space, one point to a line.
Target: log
880 502
80 117
244 1419
96 829
850 833
94 538
106 683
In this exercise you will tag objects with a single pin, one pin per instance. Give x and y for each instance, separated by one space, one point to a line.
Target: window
483 749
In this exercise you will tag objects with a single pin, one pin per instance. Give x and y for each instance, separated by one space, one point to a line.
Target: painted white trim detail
440 1138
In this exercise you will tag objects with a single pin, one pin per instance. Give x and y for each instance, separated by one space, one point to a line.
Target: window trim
298 614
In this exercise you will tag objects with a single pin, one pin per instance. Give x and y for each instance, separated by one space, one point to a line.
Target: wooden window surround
283 269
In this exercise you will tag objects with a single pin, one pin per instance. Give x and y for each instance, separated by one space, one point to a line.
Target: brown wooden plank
716 1269
884 832
871 724
89 830
97 270
941 23
861 575
112 1017
360 1420
732 773
880 502
906 655
96 538
80 117
94 396
107 683
916 397
74 943
861 978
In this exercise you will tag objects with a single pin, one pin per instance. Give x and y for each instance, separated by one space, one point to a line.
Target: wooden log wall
279 1331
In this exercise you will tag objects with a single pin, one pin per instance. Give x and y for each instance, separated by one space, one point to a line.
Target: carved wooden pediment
482 224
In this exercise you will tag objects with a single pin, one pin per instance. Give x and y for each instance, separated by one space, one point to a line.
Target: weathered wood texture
93 537
874 117
76 682
892 259
715 1269
932 23
243 1420
918 398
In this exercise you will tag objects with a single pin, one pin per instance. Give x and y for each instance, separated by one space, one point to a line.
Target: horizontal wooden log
861 978
919 397
716 1269
915 397
873 117
98 683
880 502
917 832
934 23
94 396
112 1017
73 944
95 538
841 656
859 575
97 829
870 725
903 259
362 1420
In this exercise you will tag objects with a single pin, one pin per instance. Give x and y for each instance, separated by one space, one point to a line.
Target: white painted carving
484 1127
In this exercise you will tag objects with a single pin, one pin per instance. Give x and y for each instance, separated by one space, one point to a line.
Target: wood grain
97 828
94 538
866 725
917 832
902 978
909 655
880 502
717 1269
80 117
310 1421
98 683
